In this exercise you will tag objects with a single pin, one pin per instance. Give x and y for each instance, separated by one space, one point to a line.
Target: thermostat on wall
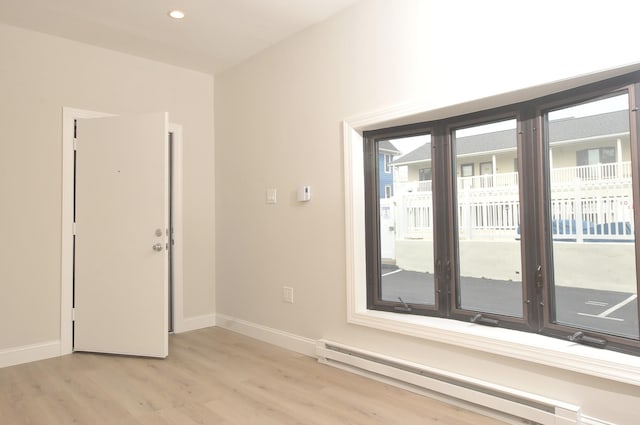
304 193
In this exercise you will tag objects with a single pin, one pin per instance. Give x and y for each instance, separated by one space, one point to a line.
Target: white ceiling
214 35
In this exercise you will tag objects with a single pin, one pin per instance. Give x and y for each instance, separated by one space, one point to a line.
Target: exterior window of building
596 163
388 192
466 170
424 174
466 175
486 173
387 163
486 168
595 156
548 248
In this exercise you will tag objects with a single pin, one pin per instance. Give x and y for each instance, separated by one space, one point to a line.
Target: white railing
592 219
600 175
578 213
413 186
603 174
597 218
488 181
414 216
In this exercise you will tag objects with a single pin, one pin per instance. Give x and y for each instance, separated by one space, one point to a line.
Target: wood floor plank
211 377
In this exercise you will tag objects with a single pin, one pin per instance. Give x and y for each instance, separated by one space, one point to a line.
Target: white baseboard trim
194 323
588 420
29 353
273 336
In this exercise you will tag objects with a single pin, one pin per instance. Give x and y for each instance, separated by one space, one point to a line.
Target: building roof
567 129
560 131
387 146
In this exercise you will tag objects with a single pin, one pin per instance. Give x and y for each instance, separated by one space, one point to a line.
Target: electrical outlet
287 294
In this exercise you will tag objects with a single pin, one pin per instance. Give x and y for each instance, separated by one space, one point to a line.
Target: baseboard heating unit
530 408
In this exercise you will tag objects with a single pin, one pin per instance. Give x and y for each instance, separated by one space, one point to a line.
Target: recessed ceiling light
176 14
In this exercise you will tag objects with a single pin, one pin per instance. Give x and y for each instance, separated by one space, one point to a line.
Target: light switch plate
272 196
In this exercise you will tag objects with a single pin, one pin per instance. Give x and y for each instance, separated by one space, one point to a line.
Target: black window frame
536 239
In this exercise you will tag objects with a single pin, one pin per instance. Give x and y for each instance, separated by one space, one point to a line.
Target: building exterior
386 152
589 176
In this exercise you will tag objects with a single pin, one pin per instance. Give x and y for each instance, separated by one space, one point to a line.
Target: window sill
529 347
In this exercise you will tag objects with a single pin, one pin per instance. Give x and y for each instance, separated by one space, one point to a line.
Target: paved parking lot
608 311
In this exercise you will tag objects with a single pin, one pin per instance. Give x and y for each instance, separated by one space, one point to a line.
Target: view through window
592 217
520 217
488 205
406 226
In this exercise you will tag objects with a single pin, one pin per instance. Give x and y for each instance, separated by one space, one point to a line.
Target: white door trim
66 266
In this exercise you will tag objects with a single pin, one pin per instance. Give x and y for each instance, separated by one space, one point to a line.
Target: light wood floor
212 376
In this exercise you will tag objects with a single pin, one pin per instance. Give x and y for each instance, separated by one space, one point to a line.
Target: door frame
69 115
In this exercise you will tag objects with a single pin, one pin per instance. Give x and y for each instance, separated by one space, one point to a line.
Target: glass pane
406 223
592 224
488 230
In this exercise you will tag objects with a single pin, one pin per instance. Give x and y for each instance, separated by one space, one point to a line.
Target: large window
549 247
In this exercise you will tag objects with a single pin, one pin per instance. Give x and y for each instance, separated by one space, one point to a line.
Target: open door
121 216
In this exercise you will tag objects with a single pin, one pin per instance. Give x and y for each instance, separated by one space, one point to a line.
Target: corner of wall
194 323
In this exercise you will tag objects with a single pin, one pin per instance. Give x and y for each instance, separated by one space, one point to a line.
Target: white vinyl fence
582 210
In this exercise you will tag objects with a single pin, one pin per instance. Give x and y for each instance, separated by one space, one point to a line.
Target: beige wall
278 125
39 75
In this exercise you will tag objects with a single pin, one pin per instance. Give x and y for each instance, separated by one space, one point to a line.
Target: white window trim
519 345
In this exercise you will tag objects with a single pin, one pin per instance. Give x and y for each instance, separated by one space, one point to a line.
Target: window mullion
443 217
530 170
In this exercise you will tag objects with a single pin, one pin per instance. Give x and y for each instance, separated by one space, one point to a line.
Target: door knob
157 247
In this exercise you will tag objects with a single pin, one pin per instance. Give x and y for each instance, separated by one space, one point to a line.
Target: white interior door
121 259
